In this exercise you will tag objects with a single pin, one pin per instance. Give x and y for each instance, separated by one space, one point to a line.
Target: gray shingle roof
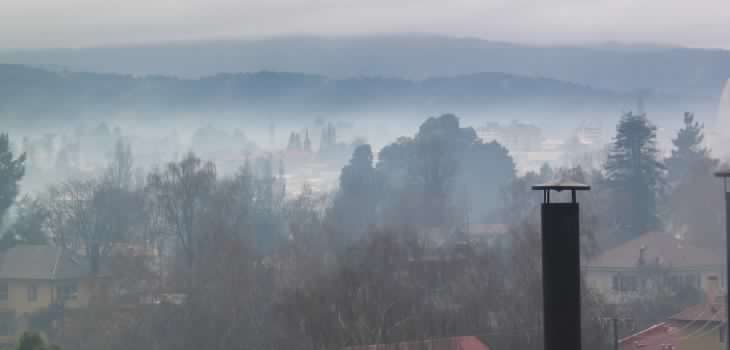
42 262
657 246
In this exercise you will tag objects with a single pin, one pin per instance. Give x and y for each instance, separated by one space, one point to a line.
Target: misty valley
370 192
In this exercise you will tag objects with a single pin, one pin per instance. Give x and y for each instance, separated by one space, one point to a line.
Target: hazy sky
79 23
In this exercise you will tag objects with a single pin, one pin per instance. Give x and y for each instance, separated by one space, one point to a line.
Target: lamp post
724 175
561 266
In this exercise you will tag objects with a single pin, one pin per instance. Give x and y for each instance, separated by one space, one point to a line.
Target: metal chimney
561 267
725 174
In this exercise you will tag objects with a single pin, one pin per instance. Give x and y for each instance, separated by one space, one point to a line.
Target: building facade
39 278
637 268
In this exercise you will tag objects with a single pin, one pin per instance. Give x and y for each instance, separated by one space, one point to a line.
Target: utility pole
561 267
614 323
725 174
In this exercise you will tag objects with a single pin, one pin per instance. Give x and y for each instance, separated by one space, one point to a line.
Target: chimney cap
561 185
723 173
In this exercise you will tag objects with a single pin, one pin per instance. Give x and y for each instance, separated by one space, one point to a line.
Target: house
36 277
699 327
622 274
454 343
657 337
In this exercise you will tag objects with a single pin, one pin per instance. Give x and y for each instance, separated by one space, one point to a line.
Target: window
674 281
67 291
3 291
693 280
623 283
32 293
687 281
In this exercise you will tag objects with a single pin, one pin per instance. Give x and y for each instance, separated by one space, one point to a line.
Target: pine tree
28 227
11 171
693 198
635 173
295 142
307 145
689 152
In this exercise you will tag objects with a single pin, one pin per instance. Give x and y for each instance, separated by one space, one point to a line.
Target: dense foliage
636 173
389 257
12 170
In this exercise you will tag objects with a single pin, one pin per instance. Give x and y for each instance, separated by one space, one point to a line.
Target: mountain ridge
32 92
627 68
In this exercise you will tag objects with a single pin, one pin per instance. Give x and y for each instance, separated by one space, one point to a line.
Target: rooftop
707 312
669 334
656 337
455 343
659 247
42 262
723 173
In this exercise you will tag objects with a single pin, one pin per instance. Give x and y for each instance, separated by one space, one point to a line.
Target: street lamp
724 175
561 266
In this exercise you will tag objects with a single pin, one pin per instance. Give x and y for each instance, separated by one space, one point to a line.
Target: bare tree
93 216
181 191
120 170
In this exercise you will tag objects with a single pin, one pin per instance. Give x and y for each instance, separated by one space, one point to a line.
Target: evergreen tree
485 170
307 144
34 341
11 171
355 205
693 198
295 142
444 176
636 175
28 227
440 146
689 151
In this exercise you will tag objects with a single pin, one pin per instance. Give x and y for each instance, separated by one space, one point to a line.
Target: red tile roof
657 337
702 312
455 343
663 336
659 247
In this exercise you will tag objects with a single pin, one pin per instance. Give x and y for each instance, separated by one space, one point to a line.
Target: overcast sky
81 23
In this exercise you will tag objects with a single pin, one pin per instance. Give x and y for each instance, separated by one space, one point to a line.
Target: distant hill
618 67
32 93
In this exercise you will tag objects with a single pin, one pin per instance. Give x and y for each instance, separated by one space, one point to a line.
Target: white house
621 274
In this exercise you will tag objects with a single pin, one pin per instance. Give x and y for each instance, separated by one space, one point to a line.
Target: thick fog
368 192
533 137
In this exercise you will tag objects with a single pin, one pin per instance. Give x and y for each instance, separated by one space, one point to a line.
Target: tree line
387 258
